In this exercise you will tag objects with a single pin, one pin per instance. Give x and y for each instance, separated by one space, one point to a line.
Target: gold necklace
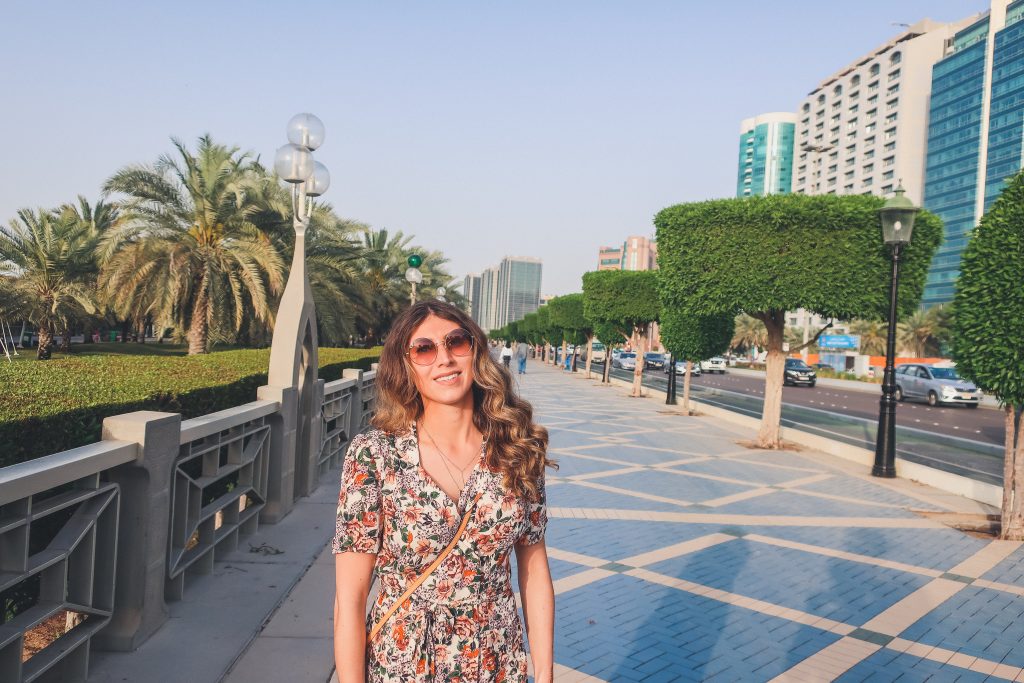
445 460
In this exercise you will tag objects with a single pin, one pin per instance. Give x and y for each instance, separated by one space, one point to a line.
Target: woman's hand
538 596
353 574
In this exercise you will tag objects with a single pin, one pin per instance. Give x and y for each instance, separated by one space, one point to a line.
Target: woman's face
448 380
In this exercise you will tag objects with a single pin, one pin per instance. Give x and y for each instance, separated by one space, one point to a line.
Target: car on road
625 360
716 364
598 352
681 368
798 372
936 384
654 360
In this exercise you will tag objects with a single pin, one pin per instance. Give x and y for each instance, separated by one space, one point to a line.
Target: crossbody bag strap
427 572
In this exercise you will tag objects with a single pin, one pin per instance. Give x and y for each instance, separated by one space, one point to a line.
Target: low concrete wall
939 479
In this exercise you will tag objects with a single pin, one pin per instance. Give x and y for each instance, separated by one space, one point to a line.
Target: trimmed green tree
690 338
544 330
988 332
567 313
764 256
626 301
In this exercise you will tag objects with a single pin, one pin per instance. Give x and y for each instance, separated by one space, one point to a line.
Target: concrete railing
94 541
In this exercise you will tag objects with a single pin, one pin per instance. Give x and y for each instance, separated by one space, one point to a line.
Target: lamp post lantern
897 218
413 274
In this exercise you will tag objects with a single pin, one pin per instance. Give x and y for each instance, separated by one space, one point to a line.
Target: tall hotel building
865 128
636 253
766 155
975 132
504 293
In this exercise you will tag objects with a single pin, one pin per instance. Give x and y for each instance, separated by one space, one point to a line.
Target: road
954 439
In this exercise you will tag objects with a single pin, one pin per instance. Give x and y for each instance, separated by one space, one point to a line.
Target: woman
506 355
454 461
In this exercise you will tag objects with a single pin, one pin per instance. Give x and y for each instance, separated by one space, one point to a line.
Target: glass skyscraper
505 293
766 155
975 131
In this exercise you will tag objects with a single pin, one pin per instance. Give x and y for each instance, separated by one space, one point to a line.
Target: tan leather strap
427 572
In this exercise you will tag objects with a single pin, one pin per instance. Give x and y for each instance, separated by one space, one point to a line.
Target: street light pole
897 217
414 275
670 389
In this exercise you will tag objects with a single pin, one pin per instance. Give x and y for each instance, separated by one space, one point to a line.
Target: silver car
936 385
626 361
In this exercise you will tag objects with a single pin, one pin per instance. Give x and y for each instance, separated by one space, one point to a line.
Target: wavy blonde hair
516 446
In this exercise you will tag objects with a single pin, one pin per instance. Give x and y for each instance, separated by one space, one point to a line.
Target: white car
716 364
598 352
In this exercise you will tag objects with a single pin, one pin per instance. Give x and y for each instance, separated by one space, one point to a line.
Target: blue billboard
839 341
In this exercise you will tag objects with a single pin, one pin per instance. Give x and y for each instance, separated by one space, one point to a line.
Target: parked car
626 360
654 361
935 384
681 368
716 364
598 352
798 372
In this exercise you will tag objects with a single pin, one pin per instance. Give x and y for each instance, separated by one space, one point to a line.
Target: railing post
281 475
308 469
356 413
143 526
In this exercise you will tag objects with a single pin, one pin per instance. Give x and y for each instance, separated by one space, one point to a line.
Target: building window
853 109
820 125
890 147
849 175
869 154
802 168
820 114
855 94
855 80
833 156
837 104
870 113
873 86
805 132
870 128
851 124
896 58
803 156
872 99
848 188
891 104
866 182
886 189
850 148
851 134
801 180
890 134
870 140
837 91
887 175
835 119
831 182
868 168
893 75
851 161
891 118
821 98
819 138
888 161
807 107
875 69
832 168
893 90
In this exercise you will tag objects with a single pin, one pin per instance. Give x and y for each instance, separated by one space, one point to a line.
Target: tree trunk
1013 476
638 369
198 329
126 327
606 370
45 340
590 352
686 386
768 436
65 339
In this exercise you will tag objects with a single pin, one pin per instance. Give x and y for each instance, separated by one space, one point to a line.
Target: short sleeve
536 516
359 522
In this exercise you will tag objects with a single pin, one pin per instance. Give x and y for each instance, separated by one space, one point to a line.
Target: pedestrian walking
435 498
506 354
522 351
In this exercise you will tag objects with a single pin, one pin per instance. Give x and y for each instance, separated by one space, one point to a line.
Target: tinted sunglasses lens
422 351
459 343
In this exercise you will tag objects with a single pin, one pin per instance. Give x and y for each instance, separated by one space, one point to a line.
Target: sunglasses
423 351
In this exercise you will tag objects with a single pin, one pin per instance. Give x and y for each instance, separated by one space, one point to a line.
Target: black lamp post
897 218
670 388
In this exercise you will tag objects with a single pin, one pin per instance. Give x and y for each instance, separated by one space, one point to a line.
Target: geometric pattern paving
679 555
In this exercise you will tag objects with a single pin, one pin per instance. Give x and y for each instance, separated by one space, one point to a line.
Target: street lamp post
670 388
414 275
897 217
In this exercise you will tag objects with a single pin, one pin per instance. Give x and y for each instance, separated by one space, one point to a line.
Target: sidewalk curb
989 494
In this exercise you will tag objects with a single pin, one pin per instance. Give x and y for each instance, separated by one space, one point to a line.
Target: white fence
94 541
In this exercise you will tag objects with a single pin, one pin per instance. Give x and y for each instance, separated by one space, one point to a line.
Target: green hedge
47 407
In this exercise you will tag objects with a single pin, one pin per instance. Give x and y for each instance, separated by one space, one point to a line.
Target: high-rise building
636 253
865 127
975 132
506 293
766 154
471 290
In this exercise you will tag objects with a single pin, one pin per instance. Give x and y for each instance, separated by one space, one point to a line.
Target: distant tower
766 155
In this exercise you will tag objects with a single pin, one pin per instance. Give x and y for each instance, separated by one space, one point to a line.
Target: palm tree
750 332
384 264
915 334
189 252
872 336
47 264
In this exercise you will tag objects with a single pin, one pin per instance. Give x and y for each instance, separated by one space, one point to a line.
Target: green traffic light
415 261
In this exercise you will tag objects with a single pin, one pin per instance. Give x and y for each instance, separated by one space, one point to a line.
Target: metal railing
158 501
58 549
219 488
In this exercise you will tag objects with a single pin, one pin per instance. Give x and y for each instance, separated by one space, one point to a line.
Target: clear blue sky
539 128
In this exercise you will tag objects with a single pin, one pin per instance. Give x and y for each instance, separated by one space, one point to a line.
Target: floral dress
462 623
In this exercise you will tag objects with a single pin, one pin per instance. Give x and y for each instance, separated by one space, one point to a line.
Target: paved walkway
680 555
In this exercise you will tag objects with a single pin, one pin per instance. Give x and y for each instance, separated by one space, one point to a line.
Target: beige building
636 253
865 127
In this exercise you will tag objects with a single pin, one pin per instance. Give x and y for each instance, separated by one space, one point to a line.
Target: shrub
50 407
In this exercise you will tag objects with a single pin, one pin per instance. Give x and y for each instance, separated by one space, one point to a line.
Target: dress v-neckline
431 481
